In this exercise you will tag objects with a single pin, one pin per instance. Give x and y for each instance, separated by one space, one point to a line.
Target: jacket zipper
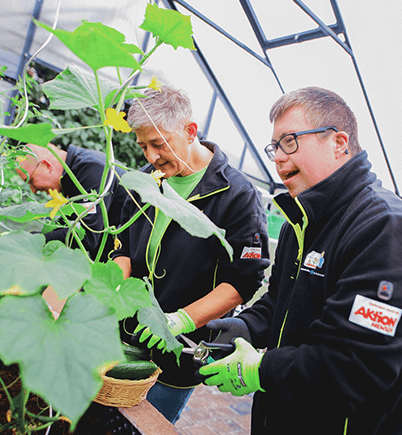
300 233
155 259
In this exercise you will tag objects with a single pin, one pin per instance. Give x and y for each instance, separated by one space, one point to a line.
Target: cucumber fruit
133 370
134 353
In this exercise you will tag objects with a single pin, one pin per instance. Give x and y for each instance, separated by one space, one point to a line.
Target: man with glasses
43 171
330 321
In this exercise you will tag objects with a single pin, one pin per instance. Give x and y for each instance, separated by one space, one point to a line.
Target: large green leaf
75 88
60 360
170 26
98 45
173 205
155 319
24 212
128 297
32 210
26 263
124 296
38 134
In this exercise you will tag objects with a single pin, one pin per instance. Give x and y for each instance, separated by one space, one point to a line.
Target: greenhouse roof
248 53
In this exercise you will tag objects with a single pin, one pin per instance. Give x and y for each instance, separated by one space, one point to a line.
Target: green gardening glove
238 372
178 323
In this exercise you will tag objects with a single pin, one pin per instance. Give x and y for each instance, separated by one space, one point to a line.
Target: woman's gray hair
169 109
322 108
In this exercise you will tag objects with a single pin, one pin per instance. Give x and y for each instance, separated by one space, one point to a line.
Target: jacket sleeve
247 232
347 358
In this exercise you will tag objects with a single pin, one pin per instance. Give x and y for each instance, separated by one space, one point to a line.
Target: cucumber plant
61 359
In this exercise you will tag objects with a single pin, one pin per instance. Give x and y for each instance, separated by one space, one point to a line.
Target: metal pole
24 57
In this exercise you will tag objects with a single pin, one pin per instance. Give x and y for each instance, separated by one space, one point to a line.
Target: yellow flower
116 120
15 290
157 176
117 244
155 84
57 201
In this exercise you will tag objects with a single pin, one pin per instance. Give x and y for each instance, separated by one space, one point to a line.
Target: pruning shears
202 352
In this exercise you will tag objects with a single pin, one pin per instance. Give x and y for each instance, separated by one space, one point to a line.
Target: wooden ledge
148 420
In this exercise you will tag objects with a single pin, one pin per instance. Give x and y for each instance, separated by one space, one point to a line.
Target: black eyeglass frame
30 178
276 145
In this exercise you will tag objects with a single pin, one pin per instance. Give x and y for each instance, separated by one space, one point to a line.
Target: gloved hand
238 372
228 329
178 323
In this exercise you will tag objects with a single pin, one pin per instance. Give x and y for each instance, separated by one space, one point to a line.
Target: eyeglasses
288 143
31 177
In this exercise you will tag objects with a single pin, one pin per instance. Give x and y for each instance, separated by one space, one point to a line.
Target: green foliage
29 264
173 205
49 352
74 88
107 284
39 134
168 27
61 360
98 45
126 150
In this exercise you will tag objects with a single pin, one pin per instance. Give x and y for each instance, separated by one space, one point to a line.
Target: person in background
193 278
43 171
329 325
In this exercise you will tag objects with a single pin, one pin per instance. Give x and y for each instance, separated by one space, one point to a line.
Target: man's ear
48 164
191 130
341 143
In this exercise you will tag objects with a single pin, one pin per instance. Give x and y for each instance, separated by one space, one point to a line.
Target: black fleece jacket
189 267
330 319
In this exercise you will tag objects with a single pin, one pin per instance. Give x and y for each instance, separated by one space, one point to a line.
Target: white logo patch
92 210
251 252
374 315
314 260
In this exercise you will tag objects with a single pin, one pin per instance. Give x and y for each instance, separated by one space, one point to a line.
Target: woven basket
124 393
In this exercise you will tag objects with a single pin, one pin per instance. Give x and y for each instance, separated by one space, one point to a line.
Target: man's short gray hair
322 108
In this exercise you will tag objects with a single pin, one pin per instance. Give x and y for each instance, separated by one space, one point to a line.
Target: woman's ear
191 130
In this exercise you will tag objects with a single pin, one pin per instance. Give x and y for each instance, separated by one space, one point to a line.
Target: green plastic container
275 222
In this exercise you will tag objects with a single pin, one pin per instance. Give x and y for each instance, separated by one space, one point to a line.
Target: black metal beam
213 80
348 48
259 33
220 30
24 58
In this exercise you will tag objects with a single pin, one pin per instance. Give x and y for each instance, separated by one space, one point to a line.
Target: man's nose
280 156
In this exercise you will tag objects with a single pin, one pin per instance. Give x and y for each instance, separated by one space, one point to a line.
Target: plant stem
75 235
68 171
22 400
9 398
152 51
133 219
119 75
43 418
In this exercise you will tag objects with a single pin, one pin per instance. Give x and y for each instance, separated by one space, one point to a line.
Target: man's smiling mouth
287 175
